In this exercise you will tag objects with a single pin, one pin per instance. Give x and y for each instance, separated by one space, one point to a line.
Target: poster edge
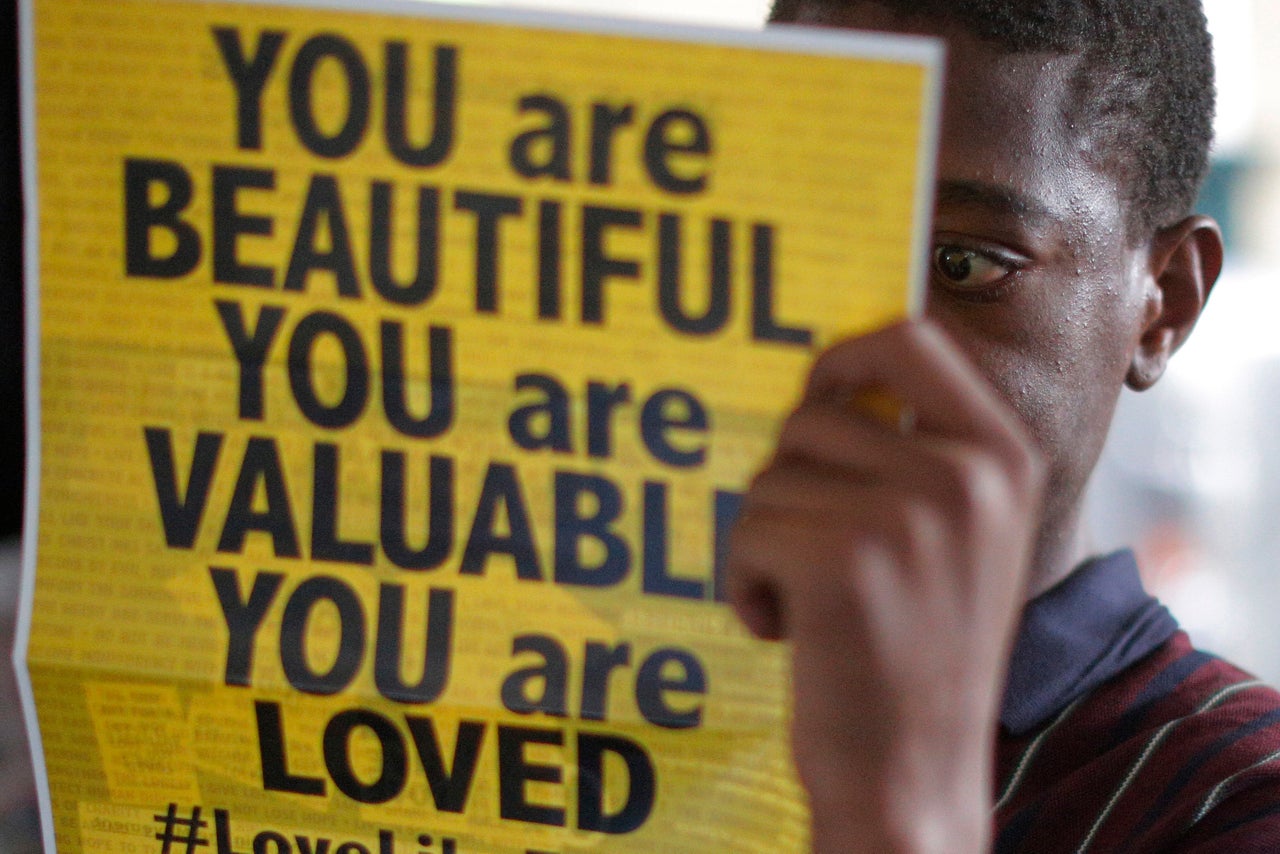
31 334
785 38
926 183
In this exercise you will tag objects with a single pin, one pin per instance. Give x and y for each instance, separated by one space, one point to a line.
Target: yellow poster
399 372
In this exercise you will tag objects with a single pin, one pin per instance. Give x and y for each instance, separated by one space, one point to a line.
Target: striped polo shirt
1118 736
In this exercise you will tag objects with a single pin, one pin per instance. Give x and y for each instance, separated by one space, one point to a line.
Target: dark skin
897 560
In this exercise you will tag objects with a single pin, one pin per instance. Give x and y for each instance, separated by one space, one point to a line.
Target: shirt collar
1079 634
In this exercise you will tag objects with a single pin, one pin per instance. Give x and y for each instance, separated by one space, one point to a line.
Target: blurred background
1190 478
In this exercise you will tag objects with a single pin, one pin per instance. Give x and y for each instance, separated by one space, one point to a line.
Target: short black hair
1145 84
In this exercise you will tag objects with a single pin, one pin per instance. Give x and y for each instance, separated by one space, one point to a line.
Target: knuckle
916 532
1024 460
899 528
1033 470
921 526
1026 469
851 545
979 486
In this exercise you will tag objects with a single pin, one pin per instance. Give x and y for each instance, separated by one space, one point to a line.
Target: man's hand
895 561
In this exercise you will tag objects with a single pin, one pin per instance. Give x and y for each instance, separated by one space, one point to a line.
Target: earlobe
1185 261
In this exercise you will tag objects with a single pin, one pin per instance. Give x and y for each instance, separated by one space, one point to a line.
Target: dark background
11 407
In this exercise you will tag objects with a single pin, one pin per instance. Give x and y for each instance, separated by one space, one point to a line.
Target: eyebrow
993 196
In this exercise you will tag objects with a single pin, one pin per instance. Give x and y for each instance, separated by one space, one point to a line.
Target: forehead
1009 124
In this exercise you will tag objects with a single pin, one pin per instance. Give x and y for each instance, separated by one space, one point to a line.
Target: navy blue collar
1079 634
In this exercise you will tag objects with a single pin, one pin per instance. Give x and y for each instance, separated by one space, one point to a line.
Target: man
898 560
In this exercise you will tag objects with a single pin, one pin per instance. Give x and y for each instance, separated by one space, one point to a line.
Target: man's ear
1184 263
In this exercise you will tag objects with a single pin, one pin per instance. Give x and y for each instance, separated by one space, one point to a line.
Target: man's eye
967 268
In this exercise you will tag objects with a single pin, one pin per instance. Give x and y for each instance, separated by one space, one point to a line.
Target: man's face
1033 273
